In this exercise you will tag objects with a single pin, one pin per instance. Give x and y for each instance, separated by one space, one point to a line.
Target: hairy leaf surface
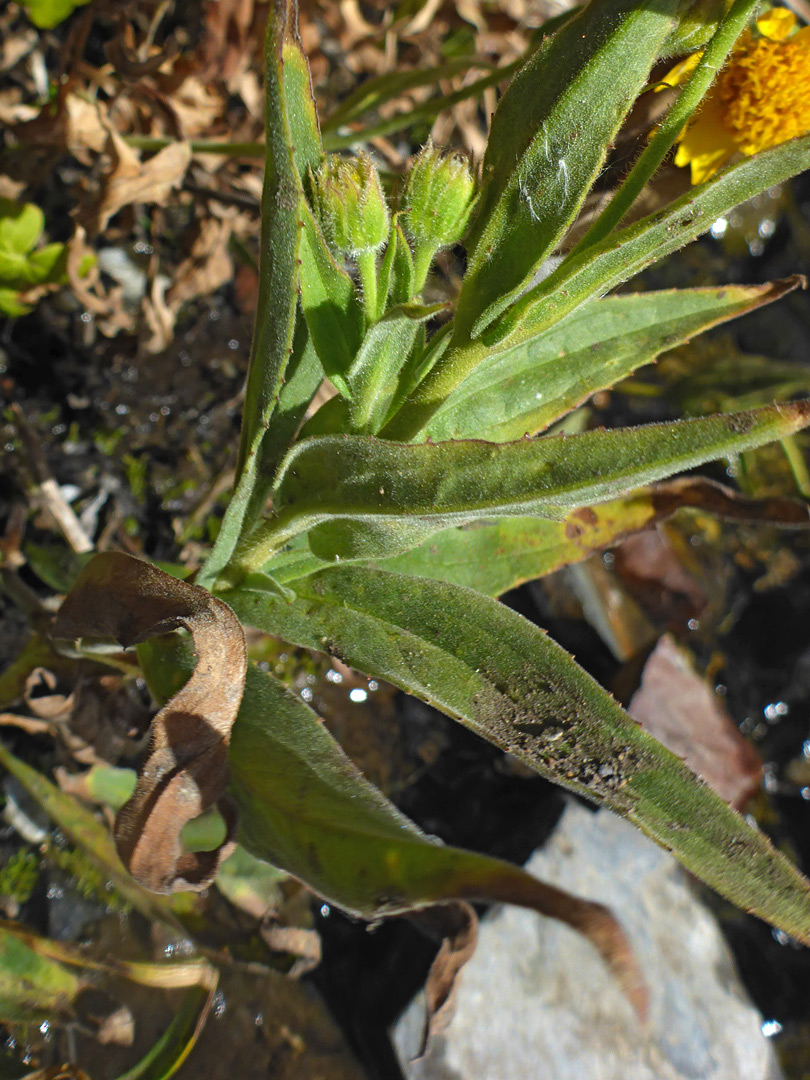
500 675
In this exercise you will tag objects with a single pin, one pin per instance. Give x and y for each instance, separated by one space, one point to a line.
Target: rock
536 1001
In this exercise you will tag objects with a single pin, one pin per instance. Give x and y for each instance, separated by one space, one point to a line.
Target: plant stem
198 146
266 539
423 257
367 267
662 142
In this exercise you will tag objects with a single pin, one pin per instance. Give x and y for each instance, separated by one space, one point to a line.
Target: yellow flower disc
765 92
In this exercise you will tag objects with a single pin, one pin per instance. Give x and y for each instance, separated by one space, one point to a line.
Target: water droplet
771 1028
358 695
775 710
719 228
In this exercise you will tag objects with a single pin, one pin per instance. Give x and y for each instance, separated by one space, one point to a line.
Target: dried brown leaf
457 924
185 772
208 264
682 711
594 921
296 941
42 698
132 180
72 121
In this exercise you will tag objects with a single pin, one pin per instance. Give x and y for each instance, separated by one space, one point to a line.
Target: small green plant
49 13
382 527
24 267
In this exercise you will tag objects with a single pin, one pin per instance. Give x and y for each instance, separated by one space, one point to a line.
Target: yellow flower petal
680 73
761 98
776 24
706 144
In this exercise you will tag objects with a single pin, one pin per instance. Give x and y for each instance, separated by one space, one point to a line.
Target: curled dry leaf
133 180
42 698
458 925
678 707
185 772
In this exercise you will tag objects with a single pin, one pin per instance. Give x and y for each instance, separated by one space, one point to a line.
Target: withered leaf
133 180
680 709
185 772
458 925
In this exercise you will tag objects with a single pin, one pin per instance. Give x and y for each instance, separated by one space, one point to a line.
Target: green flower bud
439 197
351 205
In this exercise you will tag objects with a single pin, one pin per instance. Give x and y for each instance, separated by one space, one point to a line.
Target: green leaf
293 146
486 666
21 225
525 389
33 987
628 251
46 14
329 301
392 496
49 264
11 305
547 146
494 556
305 808
598 269
372 377
14 268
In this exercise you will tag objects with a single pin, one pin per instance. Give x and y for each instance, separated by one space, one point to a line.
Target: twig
48 490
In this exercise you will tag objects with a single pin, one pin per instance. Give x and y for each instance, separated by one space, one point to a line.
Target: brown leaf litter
185 772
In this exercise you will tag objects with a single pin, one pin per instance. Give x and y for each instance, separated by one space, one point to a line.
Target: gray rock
537 1002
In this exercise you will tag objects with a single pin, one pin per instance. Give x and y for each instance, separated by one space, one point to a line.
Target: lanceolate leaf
630 250
306 809
394 495
293 146
33 987
372 377
599 269
525 389
507 680
547 146
329 301
494 556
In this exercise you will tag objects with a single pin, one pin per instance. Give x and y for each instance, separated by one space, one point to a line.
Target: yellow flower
760 99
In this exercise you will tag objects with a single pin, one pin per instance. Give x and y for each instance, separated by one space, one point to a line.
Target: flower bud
439 197
351 205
